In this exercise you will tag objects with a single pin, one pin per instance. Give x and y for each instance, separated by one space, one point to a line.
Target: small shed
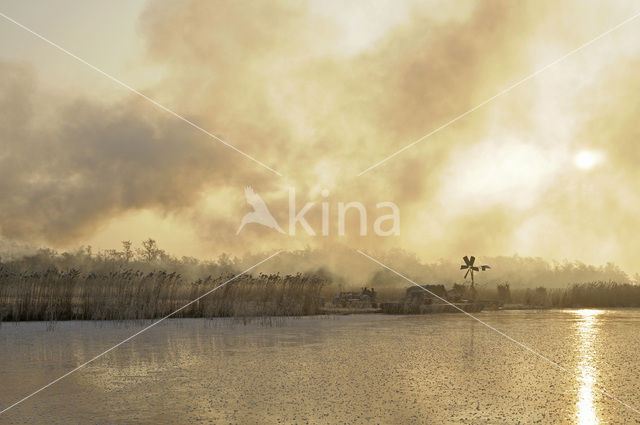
418 295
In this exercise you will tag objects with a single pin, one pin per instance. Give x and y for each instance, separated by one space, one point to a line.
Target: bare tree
127 252
150 251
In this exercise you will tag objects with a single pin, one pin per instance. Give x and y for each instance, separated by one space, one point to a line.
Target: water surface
435 369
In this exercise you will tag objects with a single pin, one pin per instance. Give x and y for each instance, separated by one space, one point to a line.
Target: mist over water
160 149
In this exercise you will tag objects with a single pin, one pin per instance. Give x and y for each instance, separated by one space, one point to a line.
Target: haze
321 92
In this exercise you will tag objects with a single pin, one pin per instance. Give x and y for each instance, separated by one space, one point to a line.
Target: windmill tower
471 268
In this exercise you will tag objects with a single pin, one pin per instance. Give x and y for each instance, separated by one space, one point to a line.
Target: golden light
586 160
587 332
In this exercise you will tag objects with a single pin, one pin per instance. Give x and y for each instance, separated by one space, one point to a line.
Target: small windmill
469 266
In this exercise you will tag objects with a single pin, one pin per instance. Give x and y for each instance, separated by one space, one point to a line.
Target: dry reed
130 294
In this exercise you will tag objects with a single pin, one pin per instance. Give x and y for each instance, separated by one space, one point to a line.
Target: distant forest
340 266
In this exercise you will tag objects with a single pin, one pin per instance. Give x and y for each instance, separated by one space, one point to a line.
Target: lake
433 369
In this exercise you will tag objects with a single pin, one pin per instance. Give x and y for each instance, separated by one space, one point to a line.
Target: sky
320 91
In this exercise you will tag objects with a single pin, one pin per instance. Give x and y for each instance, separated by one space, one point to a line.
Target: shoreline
337 312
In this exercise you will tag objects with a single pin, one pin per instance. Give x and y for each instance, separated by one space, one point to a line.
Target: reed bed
597 294
130 294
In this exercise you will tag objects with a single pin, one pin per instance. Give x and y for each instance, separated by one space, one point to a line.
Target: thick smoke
294 86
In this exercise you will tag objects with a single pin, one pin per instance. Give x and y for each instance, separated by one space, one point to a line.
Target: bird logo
260 213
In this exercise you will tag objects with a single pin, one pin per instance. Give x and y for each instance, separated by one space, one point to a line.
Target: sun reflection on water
587 331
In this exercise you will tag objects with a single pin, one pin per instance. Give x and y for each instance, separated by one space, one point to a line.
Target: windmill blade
475 269
466 260
485 268
463 267
465 275
473 260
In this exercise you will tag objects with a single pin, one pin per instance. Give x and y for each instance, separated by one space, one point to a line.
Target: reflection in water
348 369
587 331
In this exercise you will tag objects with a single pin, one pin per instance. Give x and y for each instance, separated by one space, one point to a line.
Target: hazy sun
586 160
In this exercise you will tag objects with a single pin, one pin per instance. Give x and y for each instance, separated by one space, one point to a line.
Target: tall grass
131 294
599 294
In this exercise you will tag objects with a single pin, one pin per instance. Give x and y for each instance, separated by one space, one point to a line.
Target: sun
586 160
